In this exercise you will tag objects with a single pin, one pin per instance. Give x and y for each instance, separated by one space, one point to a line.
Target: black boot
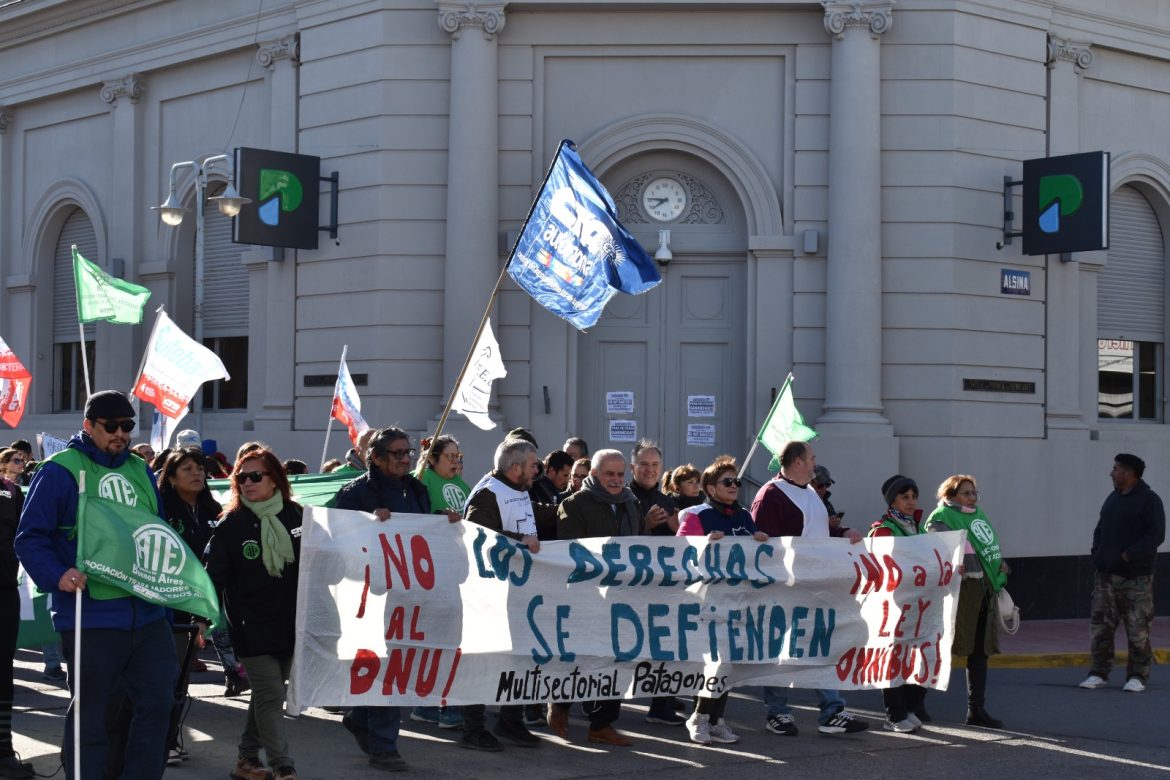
977 716
976 688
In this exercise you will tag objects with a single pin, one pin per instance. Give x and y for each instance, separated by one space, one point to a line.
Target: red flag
14 383
347 406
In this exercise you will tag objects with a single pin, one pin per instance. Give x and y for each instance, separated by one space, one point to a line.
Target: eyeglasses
18 461
400 454
454 457
113 425
729 481
254 476
972 493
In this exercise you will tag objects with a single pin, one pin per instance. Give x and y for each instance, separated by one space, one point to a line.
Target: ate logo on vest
157 549
454 496
982 531
115 487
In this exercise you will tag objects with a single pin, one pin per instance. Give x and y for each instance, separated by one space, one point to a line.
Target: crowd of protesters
251 550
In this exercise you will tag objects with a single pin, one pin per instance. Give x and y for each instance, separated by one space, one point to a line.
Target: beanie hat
520 433
896 486
188 438
108 405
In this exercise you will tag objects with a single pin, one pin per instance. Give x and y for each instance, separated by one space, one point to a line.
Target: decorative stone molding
131 86
877 17
703 207
489 17
6 118
286 48
1076 52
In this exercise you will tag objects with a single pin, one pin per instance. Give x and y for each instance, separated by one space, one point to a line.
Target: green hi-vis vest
128 484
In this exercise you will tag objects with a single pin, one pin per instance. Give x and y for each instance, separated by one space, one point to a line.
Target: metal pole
200 187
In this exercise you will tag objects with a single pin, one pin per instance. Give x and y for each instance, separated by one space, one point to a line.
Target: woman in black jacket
11 501
253 562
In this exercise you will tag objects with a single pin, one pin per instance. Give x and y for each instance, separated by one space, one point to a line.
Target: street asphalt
1052 729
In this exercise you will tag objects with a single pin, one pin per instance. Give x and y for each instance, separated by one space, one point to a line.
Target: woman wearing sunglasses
252 559
718 516
984 573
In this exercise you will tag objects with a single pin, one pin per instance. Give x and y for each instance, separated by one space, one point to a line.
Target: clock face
664 199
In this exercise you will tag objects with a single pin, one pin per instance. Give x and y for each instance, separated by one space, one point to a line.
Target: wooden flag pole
329 426
756 441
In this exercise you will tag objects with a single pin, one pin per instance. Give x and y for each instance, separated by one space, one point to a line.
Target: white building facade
841 171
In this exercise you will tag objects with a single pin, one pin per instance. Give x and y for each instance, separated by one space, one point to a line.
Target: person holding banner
438 469
11 500
253 561
719 515
126 639
984 573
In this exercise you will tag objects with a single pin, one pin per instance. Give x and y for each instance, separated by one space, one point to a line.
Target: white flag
173 368
474 392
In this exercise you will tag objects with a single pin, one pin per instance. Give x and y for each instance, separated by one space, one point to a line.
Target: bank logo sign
1066 203
285 190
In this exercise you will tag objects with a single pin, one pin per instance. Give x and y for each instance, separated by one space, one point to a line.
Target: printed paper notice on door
700 435
700 406
623 430
619 402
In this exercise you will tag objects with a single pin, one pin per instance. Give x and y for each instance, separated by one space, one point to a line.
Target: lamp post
171 212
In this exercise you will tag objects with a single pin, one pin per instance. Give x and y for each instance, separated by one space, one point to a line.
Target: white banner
419 611
173 368
475 390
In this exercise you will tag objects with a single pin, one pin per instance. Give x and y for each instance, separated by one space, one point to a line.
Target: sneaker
1092 682
905 726
425 715
13 767
480 740
250 769
666 718
1134 685
360 735
720 732
451 718
56 674
533 715
784 724
910 716
388 762
237 687
843 722
516 733
699 728
921 715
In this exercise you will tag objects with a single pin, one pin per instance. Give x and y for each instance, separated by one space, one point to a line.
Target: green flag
102 297
307 489
126 551
784 424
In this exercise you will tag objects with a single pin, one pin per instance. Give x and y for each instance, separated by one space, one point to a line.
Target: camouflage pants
1122 600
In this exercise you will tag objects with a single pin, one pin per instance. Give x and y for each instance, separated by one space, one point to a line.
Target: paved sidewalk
1041 644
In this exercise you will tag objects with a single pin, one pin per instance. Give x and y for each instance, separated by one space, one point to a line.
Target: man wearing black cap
126 639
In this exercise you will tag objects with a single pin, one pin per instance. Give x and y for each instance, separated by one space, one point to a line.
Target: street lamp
171 212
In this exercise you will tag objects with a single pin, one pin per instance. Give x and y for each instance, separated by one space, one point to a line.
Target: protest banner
14 383
419 611
173 367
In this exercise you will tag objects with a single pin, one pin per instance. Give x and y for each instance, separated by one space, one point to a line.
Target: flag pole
771 411
329 425
84 359
492 299
77 661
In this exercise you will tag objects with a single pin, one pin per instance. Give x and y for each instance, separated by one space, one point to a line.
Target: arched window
68 379
225 309
1131 312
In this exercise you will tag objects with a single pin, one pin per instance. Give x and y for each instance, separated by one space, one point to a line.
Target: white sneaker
901 726
1134 685
699 727
1093 681
910 716
719 732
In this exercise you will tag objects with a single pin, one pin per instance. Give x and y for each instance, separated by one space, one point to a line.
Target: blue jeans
144 659
777 701
381 724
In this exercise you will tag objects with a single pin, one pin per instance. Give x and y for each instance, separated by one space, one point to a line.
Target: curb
1054 660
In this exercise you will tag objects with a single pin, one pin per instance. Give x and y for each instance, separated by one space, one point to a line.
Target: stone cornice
131 86
1079 53
5 118
840 15
454 17
286 48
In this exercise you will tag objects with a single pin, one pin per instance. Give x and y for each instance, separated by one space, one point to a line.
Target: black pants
474 714
602 713
9 627
977 661
902 700
712 708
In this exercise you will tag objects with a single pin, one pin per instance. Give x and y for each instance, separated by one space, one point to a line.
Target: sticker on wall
619 402
623 430
700 435
700 406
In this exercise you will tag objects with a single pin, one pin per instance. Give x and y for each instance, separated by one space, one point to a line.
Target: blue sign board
1013 282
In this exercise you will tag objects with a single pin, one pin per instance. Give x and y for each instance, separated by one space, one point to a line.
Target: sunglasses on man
729 481
111 426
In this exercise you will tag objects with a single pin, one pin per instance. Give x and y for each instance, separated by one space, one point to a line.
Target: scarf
905 523
276 548
629 523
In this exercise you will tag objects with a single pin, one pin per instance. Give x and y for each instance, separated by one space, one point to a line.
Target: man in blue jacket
126 640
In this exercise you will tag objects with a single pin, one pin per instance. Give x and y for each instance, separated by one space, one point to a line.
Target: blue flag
573 254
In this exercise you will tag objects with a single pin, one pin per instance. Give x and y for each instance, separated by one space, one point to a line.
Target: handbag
1007 614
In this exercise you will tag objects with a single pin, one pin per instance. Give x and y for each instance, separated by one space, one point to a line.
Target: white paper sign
623 430
50 445
425 612
700 406
619 402
700 435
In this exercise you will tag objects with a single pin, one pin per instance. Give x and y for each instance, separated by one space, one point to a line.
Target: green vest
127 484
890 523
980 535
445 493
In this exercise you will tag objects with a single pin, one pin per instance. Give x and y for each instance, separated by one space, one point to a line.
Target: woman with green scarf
984 574
252 560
